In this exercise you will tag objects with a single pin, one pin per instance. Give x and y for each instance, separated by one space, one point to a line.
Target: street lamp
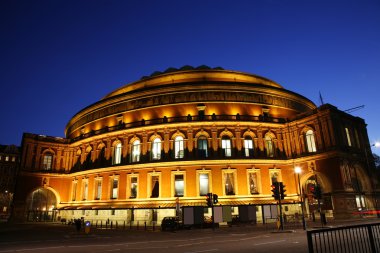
298 171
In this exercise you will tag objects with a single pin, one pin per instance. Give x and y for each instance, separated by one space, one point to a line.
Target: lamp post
298 170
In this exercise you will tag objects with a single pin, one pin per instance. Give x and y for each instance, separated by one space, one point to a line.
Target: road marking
189 244
31 249
199 251
113 250
263 243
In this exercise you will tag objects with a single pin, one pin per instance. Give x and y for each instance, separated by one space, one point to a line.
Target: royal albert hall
152 147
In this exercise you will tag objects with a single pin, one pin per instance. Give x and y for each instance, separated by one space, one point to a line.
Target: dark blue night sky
56 57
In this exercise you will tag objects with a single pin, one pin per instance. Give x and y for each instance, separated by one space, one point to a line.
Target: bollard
111 224
130 225
145 225
138 225
101 224
124 226
154 225
117 225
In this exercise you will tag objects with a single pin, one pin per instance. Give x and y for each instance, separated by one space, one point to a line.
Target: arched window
117 154
248 146
178 147
226 146
136 150
202 147
269 146
47 161
40 205
156 149
310 141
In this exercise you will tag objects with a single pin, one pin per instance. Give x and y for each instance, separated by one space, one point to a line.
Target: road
60 238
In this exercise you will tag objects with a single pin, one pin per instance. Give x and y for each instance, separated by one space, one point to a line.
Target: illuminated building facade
9 160
161 143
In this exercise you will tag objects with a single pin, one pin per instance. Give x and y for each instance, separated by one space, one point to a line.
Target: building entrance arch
41 205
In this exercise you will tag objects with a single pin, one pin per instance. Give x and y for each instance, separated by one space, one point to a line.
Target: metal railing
348 239
189 118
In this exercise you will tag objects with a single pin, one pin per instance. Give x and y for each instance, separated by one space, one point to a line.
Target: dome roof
196 75
176 93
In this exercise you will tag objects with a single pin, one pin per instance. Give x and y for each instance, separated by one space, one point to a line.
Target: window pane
253 183
156 149
117 155
269 146
178 147
229 183
202 147
47 162
133 187
98 189
310 141
348 136
203 184
85 190
155 187
248 147
114 188
274 177
179 185
74 193
136 151
226 146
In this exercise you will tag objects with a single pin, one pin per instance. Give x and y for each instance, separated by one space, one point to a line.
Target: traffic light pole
281 218
212 215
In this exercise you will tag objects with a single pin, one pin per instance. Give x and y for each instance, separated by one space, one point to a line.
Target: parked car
170 223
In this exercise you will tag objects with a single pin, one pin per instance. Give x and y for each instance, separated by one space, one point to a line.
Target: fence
348 239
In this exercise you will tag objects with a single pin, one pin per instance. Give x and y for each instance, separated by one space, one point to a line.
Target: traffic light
282 190
209 199
215 199
317 192
276 191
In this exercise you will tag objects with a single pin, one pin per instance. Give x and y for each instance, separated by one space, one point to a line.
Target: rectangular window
47 162
179 185
156 149
348 136
74 191
117 157
114 189
13 159
226 146
98 188
178 148
274 176
136 148
253 184
84 190
133 193
248 147
203 184
229 183
202 147
7 158
155 187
